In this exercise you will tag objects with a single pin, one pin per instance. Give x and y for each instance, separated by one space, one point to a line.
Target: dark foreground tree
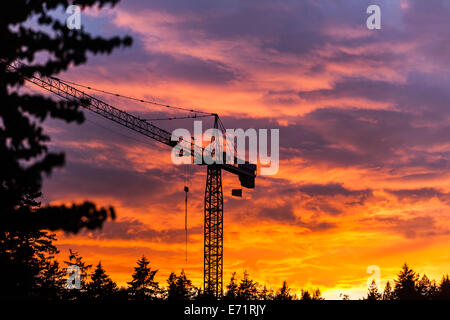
248 289
405 284
51 282
27 265
388 294
266 294
101 286
76 260
315 295
444 289
373 293
232 288
143 286
305 295
426 288
48 47
180 287
284 293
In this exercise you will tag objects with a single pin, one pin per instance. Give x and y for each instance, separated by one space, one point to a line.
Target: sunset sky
364 139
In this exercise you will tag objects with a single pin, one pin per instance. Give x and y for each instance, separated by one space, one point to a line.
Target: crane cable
115 94
228 142
204 114
131 98
177 118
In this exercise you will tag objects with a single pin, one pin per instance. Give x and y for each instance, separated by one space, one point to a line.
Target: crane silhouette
213 203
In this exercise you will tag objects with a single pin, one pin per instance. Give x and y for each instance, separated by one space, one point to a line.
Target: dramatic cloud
136 230
422 194
364 137
333 189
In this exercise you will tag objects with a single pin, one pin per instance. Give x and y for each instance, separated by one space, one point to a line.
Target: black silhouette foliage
25 156
180 287
101 286
143 286
47 49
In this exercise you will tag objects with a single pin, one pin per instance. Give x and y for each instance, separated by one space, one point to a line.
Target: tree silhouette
444 288
50 283
25 259
284 293
266 294
51 280
23 143
76 260
405 284
388 294
248 289
427 289
316 295
143 286
232 288
305 295
180 287
48 47
373 293
101 286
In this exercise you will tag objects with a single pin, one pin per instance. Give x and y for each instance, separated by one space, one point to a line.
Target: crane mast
213 202
213 231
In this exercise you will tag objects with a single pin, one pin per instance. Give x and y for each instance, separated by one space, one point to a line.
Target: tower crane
213 203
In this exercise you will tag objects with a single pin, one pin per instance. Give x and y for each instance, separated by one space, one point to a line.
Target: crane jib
245 171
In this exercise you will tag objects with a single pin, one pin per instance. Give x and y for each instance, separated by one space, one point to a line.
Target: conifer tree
48 48
373 293
232 288
387 293
266 294
284 293
405 284
24 259
426 288
32 33
248 289
180 287
143 286
317 295
444 288
305 295
51 280
101 286
77 260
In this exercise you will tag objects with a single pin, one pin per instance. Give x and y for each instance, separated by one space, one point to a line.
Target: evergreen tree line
42 277
409 285
34 273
